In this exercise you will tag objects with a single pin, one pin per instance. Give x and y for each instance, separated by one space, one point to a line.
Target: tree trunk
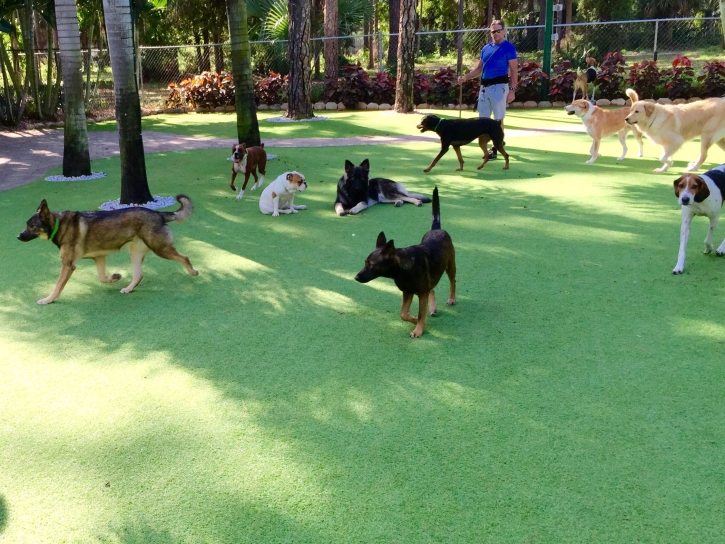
205 57
569 15
241 55
489 12
218 51
406 58
394 20
31 68
76 159
119 32
298 52
330 48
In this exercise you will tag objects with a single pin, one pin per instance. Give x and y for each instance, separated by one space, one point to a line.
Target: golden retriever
672 125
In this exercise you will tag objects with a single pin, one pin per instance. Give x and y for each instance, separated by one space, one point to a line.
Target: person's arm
513 78
473 73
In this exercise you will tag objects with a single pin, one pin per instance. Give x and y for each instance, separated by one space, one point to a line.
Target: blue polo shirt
496 59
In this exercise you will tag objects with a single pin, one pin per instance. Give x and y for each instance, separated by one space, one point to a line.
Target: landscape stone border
372 106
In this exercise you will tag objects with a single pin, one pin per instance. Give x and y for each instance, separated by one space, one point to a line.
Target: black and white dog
700 195
355 191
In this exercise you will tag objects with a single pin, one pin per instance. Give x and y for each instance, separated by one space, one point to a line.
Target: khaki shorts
493 99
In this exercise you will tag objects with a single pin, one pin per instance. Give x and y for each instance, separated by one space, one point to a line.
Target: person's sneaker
492 154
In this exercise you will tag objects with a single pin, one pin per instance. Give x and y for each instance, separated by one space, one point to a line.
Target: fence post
380 50
657 27
548 30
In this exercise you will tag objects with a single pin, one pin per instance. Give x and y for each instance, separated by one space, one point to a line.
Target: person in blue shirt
499 70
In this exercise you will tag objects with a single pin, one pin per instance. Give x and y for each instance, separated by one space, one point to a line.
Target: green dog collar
55 229
439 122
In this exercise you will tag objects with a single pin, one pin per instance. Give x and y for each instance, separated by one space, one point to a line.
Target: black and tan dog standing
458 132
416 270
94 235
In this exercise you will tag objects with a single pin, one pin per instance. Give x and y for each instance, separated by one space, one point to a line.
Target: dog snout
629 121
685 200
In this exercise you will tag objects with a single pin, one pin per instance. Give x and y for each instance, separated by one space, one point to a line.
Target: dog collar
439 122
55 229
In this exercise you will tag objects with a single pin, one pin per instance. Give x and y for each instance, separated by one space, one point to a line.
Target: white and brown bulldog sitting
279 195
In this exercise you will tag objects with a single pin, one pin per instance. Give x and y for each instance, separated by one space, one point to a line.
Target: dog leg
457 149
500 149
684 235
708 240
451 272
246 180
291 204
166 250
417 332
432 306
360 206
138 251
638 137
666 158
241 194
623 140
405 310
339 209
435 161
231 184
101 268
594 150
705 144
65 274
258 184
254 186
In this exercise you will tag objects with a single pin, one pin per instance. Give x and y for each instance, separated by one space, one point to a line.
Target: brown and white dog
583 80
700 195
279 195
601 123
672 125
246 160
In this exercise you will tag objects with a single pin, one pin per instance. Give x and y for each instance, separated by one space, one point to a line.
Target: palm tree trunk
394 20
31 69
76 159
331 46
241 55
406 58
119 32
298 52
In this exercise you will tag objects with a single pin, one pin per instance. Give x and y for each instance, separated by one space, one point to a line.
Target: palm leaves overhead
269 19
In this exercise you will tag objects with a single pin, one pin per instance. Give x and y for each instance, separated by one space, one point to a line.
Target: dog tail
632 94
183 213
436 211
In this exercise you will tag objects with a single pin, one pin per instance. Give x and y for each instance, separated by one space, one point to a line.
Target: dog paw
720 252
621 158
506 167
415 333
708 249
591 161
398 203
292 211
677 271
233 188
275 214
661 169
254 187
46 300
451 301
691 167
433 312
426 170
301 207
459 169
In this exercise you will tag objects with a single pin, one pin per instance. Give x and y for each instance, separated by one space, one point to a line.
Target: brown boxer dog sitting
246 160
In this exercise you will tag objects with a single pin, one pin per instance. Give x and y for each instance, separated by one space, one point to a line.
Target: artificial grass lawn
343 124
574 394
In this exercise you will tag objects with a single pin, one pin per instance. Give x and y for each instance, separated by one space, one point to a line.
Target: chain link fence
700 39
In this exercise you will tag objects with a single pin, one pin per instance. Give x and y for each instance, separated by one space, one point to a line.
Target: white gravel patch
94 175
155 204
288 120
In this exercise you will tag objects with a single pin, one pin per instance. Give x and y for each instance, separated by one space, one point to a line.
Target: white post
657 27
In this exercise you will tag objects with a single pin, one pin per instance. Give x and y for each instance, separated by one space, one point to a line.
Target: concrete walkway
27 155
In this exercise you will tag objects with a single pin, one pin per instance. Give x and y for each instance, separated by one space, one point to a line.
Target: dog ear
702 190
389 249
677 186
234 148
349 166
649 108
365 165
381 240
43 206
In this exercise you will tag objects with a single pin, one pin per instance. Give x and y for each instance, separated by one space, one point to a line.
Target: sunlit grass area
574 393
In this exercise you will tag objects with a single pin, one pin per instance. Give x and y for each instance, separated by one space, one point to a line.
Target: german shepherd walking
416 270
94 235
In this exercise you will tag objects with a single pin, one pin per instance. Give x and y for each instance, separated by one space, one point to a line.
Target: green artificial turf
574 393
343 124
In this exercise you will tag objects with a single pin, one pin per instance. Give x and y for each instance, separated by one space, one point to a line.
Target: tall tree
298 51
76 158
247 124
406 58
330 52
119 30
394 21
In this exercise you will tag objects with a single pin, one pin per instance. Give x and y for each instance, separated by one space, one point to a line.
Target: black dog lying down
355 191
458 132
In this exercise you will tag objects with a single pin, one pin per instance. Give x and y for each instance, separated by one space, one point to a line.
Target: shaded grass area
344 124
574 394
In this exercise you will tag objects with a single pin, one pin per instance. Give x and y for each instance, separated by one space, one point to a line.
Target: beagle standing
700 195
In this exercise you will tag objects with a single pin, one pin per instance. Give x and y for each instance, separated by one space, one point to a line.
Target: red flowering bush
382 88
272 89
610 77
205 90
352 87
644 78
679 79
712 77
531 76
561 85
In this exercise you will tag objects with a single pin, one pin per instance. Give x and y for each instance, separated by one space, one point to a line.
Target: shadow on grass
564 356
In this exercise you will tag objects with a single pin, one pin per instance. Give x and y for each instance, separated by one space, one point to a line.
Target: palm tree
119 30
406 58
298 47
247 124
76 159
331 34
